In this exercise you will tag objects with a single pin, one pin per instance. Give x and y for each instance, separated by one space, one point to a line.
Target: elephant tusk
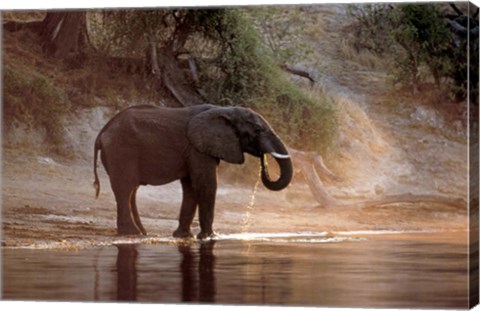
279 155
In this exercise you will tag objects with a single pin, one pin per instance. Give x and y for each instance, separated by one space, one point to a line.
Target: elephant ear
212 132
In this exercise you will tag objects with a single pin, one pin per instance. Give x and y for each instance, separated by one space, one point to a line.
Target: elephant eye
257 129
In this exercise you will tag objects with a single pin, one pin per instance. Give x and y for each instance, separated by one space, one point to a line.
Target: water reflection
127 272
403 271
197 272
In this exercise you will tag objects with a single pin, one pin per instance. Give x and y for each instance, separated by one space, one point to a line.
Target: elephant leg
206 190
133 206
125 219
187 211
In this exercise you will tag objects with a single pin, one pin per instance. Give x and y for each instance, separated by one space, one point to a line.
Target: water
307 269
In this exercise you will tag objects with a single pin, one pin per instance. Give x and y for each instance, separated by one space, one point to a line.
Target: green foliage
424 35
238 68
420 41
32 98
248 75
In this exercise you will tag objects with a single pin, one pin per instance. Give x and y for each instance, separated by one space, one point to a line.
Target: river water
349 269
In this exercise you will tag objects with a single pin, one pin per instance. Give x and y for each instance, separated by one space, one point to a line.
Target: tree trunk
170 76
175 80
64 33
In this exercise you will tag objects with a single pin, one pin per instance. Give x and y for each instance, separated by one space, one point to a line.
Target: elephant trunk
279 152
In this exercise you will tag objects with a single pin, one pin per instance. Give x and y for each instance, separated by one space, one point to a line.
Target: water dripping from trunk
248 211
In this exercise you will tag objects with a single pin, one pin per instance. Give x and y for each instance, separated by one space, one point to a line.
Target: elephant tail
96 183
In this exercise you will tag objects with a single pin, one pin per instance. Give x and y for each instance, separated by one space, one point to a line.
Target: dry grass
23 16
362 58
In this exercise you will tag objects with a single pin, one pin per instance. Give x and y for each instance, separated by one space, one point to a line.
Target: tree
63 33
424 36
436 36
177 45
465 74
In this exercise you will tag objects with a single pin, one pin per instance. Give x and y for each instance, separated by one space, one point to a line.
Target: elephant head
227 132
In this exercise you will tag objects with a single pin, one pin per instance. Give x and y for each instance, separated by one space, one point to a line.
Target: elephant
152 145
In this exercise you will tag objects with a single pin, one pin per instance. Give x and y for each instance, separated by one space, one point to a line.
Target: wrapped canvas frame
197 266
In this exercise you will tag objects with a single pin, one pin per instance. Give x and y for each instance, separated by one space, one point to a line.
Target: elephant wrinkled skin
148 145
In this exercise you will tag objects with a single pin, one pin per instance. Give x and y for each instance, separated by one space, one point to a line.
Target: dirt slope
389 140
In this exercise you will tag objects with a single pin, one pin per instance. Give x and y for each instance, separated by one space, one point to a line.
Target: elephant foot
206 235
182 233
129 230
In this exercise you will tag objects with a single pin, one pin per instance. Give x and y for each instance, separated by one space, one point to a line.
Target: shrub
33 99
423 34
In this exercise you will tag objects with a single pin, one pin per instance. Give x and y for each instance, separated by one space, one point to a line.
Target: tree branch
303 162
297 71
153 54
457 27
456 9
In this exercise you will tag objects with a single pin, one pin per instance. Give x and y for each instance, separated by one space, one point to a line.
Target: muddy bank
51 202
